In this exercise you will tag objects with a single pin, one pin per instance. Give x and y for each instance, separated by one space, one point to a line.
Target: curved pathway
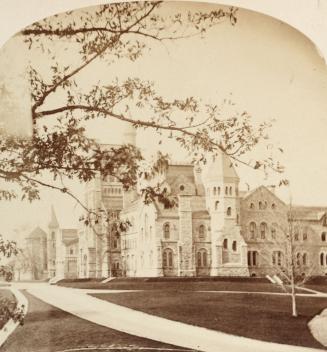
137 323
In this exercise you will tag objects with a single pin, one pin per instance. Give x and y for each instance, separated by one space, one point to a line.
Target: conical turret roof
221 169
53 220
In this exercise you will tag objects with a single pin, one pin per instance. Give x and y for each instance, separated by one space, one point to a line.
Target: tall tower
228 248
52 239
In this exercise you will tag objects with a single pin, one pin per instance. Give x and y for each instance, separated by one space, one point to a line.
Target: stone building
62 250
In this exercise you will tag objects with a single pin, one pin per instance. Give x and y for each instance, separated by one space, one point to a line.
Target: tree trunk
294 309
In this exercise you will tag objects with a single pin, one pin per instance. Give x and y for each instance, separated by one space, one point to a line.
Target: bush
9 310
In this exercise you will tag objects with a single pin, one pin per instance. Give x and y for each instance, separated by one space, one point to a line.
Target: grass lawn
49 329
219 284
263 317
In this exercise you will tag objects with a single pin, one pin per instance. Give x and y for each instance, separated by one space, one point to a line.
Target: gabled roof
37 233
262 189
308 213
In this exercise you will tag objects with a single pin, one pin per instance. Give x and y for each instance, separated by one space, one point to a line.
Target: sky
266 67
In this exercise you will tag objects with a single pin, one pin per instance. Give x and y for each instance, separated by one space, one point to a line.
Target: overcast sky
269 70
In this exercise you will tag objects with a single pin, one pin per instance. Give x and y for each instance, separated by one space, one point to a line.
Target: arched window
263 230
214 191
167 260
260 205
229 211
322 259
323 236
166 229
218 191
252 206
253 229
225 243
234 246
202 258
226 190
230 190
252 258
298 255
305 234
216 205
304 258
201 232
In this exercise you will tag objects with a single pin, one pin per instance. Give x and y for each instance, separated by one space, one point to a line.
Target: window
226 190
214 191
252 206
322 259
273 206
237 219
323 236
304 258
230 191
229 211
252 258
166 229
305 234
202 258
273 231
298 255
260 205
234 246
296 234
167 260
277 258
201 232
181 188
216 205
263 230
71 251
218 191
225 243
253 229
53 236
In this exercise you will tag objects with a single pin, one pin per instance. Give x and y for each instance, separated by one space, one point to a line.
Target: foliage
10 310
109 33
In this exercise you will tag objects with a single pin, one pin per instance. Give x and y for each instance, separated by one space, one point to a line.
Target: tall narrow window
263 230
273 231
216 205
229 211
321 259
253 229
167 260
252 206
260 205
214 191
166 231
202 258
226 190
218 191
305 234
201 232
323 236
234 246
230 191
304 259
225 243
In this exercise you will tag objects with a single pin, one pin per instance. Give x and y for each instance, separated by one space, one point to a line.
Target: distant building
62 248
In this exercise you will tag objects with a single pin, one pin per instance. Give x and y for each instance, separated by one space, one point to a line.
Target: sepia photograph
163 176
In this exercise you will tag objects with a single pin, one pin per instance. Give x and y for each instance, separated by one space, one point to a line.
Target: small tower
223 203
129 135
52 239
